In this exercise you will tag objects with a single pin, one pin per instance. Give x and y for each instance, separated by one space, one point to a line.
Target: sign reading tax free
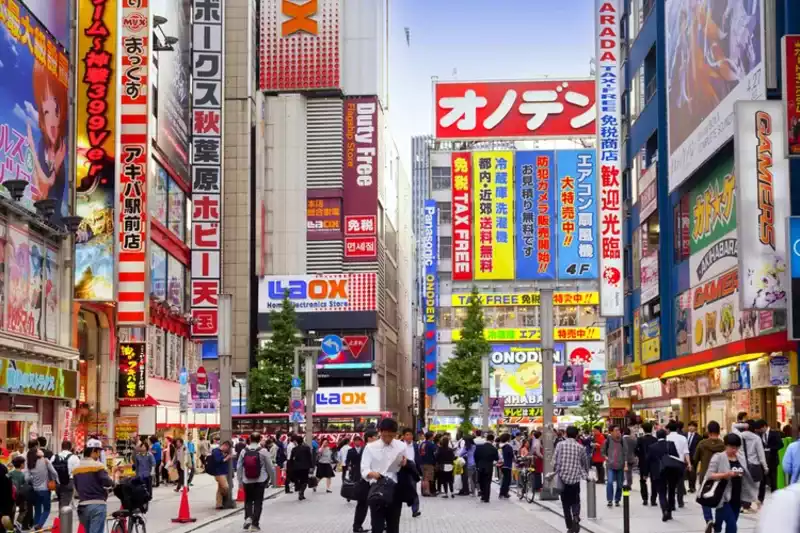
462 216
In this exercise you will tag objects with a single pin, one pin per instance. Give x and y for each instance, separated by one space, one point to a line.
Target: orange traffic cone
184 516
279 477
81 529
56 527
240 494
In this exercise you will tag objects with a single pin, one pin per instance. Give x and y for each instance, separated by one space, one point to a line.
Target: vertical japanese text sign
208 34
608 153
462 216
536 243
133 267
430 301
493 189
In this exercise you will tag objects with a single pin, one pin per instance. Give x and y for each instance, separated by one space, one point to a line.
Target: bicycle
125 521
525 489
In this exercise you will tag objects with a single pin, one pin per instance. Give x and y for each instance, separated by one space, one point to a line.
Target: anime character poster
33 119
35 293
51 277
19 315
175 282
569 384
3 262
158 272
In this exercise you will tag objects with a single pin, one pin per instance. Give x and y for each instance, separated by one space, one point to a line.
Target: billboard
535 209
561 333
649 275
430 299
33 379
300 47
347 399
519 371
683 323
569 384
715 312
132 370
525 298
494 224
462 216
324 219
577 214
790 52
346 352
172 135
53 14
713 241
794 265
208 96
651 341
360 178
319 293
514 109
607 49
204 390
716 51
762 170
648 193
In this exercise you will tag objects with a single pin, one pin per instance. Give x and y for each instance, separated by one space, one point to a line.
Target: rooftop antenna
407 31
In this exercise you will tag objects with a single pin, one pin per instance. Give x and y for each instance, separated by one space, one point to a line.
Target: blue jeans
93 517
728 515
707 514
618 476
41 508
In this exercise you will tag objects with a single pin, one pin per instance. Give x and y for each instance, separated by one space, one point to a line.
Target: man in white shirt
383 459
290 444
65 491
682 445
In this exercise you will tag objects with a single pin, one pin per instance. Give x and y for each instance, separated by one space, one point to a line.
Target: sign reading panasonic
430 295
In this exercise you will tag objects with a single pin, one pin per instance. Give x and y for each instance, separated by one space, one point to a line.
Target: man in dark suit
353 465
772 445
665 476
486 455
692 439
643 444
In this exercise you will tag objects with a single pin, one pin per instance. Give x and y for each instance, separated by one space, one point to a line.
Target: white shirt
410 451
382 458
343 453
681 444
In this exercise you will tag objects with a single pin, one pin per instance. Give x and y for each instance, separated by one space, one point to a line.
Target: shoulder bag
756 470
381 492
711 493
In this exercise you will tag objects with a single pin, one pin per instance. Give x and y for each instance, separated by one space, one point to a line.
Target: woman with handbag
756 463
445 458
726 484
44 478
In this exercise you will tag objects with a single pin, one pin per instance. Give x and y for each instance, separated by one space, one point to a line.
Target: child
24 492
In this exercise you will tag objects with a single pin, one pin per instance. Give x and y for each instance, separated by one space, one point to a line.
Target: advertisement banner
718 53
324 219
592 355
430 294
526 298
763 191
615 349
713 241
577 214
319 293
32 379
651 341
519 371
300 45
565 333
569 383
715 312
24 281
794 269
607 49
536 222
648 193
514 109
54 15
204 390
360 178
350 352
208 96
132 370
683 323
462 216
790 59
347 399
494 221
649 275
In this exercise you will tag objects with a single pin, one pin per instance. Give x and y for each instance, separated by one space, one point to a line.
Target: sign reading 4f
298 17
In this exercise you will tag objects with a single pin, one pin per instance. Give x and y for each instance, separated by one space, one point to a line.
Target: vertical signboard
324 219
763 198
493 186
577 214
607 27
132 370
790 52
208 96
462 216
95 112
794 264
430 256
535 207
134 142
360 178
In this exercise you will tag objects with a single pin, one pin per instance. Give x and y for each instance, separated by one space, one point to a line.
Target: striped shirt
570 462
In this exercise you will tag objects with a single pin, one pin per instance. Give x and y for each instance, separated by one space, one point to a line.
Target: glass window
175 281
588 316
51 300
158 272
565 316
445 317
445 247
158 201
440 178
445 215
177 211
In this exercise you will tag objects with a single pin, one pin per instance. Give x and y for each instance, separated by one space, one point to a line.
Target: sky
471 40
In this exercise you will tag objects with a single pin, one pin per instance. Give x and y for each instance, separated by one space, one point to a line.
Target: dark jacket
219 466
6 501
301 458
91 481
445 456
643 444
407 479
703 453
695 440
352 462
508 455
772 447
427 453
485 456
655 453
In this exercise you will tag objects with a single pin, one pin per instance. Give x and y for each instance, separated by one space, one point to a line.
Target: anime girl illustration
20 318
49 168
35 287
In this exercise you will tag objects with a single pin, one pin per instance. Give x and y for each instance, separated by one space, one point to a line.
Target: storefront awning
147 401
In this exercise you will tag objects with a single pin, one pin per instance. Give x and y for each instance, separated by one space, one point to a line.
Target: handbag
756 471
348 490
51 485
711 493
381 492
670 463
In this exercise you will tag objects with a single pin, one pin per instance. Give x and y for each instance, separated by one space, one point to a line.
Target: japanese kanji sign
535 209
514 109
493 190
612 278
208 96
324 219
360 179
132 370
430 294
576 186
462 215
133 267
790 50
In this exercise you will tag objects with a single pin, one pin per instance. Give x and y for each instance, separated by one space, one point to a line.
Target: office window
445 247
440 178
445 212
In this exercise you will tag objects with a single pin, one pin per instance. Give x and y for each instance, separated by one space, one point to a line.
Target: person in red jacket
597 455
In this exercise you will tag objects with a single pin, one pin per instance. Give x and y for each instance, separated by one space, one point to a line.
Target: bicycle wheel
137 525
522 484
116 527
530 495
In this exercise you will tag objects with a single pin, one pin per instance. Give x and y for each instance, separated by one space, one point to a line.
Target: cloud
11 42
2 64
29 115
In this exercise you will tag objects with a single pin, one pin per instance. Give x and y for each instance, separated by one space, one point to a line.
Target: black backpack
61 466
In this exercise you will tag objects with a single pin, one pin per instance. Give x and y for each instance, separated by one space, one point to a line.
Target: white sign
592 355
648 193
649 269
319 293
716 258
347 400
715 312
762 175
609 144
703 81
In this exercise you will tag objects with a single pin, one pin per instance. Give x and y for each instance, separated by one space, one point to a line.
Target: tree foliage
270 381
589 408
460 377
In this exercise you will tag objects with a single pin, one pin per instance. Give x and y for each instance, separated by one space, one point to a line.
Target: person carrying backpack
253 469
64 463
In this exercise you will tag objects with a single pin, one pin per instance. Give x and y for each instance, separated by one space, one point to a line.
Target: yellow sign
526 298
651 350
493 190
535 334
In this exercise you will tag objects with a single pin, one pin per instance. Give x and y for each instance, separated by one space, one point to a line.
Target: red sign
790 49
324 219
514 109
355 343
462 216
360 178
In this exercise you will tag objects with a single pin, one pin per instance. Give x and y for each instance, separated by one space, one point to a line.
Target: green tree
270 381
460 377
589 408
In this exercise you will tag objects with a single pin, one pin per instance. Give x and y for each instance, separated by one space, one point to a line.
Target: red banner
462 216
790 49
324 219
360 177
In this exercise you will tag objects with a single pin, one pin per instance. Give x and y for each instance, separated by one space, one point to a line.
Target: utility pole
310 388
546 309
225 376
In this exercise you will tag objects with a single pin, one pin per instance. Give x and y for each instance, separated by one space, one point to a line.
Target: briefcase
348 491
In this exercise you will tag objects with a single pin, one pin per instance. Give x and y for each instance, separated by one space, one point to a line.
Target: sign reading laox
347 399
320 293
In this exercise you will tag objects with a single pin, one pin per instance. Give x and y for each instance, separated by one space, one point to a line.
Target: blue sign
295 382
744 376
297 418
332 345
430 292
183 377
794 243
536 215
794 264
576 188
